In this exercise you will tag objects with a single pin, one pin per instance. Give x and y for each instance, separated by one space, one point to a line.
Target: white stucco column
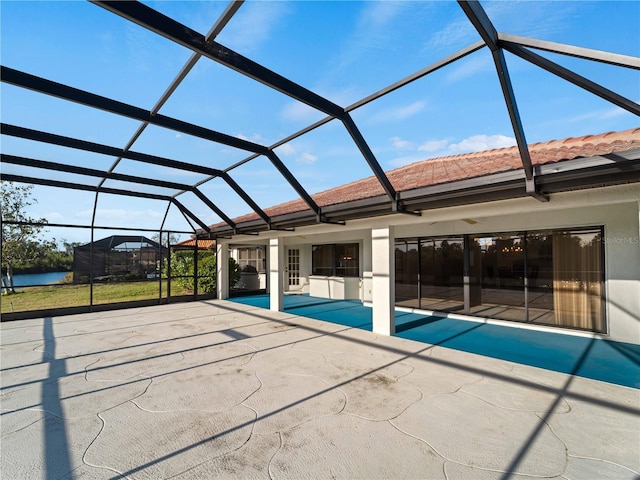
222 270
276 274
383 283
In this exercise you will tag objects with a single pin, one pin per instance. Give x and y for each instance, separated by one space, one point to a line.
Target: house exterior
249 257
473 241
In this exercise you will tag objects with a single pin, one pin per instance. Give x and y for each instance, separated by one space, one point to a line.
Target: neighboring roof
203 244
445 170
112 242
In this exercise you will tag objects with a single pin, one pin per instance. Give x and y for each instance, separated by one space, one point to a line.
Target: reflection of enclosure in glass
429 273
496 274
441 273
553 277
407 274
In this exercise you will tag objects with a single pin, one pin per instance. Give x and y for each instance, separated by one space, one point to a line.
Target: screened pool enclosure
131 123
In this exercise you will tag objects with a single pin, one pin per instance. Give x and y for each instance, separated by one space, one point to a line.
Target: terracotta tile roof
436 171
202 244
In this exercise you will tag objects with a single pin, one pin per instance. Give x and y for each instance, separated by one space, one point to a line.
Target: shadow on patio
217 389
607 361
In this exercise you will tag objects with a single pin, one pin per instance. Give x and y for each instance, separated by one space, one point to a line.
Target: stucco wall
616 208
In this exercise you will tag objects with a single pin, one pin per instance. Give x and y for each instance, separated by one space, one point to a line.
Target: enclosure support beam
65 92
574 78
383 281
288 176
167 27
222 269
579 52
479 19
276 274
29 134
30 162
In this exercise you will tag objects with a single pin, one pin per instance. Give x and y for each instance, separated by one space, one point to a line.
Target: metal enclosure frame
536 182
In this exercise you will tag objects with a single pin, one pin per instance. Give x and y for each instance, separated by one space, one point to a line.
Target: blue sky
343 50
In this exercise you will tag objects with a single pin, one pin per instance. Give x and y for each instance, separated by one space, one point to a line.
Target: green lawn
71 295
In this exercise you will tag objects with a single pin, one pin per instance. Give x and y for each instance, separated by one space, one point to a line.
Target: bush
182 270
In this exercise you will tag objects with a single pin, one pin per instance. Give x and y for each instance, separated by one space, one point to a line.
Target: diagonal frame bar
183 35
478 17
573 77
65 92
91 172
39 136
616 59
155 21
231 9
112 191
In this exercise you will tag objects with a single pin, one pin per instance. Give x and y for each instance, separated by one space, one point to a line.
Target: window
552 277
441 274
252 256
336 260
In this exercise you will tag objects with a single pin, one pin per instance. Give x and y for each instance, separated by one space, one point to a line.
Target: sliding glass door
497 280
552 277
407 264
442 274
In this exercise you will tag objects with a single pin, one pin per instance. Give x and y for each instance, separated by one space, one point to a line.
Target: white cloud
614 112
401 144
54 217
478 143
532 19
451 34
307 158
601 114
444 147
405 160
258 18
255 138
470 67
286 149
372 30
400 113
434 145
295 111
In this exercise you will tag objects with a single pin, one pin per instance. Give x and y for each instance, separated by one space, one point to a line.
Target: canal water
37 278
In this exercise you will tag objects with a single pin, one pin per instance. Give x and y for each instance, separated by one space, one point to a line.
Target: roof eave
582 173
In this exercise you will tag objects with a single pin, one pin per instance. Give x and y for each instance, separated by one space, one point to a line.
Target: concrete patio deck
220 389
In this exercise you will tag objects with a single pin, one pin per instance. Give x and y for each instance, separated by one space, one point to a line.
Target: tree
20 242
172 237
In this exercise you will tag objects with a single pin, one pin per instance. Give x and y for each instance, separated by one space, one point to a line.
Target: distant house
128 256
203 244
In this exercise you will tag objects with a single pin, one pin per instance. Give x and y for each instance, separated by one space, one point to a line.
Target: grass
74 295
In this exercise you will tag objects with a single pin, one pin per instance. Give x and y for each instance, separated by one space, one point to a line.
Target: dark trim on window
335 260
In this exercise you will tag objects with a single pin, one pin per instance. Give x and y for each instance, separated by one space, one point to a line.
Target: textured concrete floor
224 390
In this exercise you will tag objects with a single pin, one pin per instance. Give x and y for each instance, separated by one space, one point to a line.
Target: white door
293 268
